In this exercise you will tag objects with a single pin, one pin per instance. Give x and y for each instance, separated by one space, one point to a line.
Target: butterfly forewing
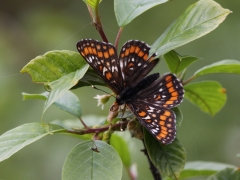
102 57
134 62
159 121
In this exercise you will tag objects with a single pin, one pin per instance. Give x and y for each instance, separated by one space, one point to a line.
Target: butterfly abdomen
130 93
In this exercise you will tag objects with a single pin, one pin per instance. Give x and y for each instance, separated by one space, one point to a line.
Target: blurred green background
31 28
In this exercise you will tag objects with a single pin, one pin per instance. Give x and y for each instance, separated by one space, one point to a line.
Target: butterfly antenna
103 91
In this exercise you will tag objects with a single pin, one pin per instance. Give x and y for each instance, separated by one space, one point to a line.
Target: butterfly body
148 97
130 93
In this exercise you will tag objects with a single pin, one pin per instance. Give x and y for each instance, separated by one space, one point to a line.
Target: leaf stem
187 81
118 37
156 174
83 123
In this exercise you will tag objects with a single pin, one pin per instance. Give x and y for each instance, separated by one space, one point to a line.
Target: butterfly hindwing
102 57
159 121
167 91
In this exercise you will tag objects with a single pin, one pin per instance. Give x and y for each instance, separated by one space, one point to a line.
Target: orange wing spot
142 113
100 68
100 54
158 137
170 84
140 54
167 113
94 51
98 47
158 97
163 128
163 118
137 50
104 47
169 102
163 135
162 123
145 57
86 52
131 65
108 75
90 50
111 51
122 55
170 119
173 98
164 132
171 89
106 55
148 120
168 78
175 93
132 48
127 52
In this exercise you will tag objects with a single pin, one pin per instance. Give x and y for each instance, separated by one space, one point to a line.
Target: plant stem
115 127
118 37
154 170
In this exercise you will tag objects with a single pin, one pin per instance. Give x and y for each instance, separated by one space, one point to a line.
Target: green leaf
198 20
209 96
14 140
90 78
179 115
27 96
62 85
92 3
53 65
177 63
200 170
126 11
224 66
69 102
196 174
228 173
121 147
169 159
92 160
203 165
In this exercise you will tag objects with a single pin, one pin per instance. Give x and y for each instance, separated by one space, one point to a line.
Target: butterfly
149 97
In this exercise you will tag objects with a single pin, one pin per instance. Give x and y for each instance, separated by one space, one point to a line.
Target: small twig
115 127
118 37
187 81
83 123
154 170
97 22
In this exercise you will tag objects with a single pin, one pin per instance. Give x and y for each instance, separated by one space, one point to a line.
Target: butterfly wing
102 57
166 91
159 121
134 62
151 107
